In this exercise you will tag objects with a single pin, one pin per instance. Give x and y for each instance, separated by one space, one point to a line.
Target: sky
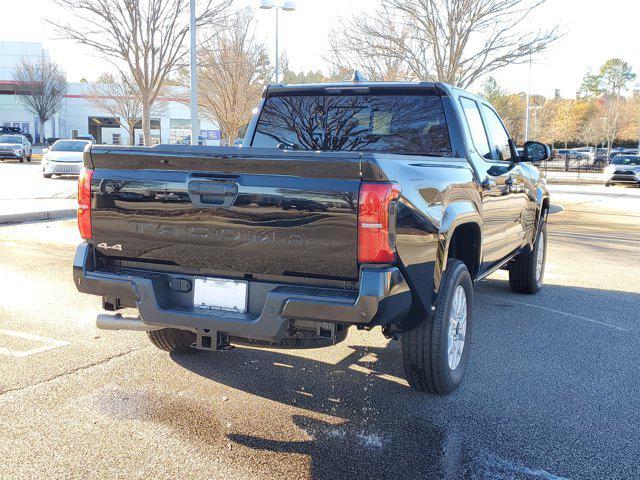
594 31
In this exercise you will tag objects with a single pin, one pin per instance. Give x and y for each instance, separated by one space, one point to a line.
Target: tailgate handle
217 194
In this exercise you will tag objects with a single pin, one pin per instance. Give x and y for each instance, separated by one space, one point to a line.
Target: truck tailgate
217 210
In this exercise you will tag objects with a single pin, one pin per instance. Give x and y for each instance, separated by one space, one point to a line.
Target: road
25 181
551 390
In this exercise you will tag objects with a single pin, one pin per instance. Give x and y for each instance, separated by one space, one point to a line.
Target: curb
37 216
569 181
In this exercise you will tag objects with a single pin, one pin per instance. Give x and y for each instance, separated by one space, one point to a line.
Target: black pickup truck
351 204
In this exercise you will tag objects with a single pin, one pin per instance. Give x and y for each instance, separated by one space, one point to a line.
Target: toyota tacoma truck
351 204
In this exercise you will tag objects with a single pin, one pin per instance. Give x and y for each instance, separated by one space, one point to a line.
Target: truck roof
437 88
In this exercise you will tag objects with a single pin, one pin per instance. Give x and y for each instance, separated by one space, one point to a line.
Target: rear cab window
412 124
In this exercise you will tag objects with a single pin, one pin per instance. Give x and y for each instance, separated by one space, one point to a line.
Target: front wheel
526 274
435 353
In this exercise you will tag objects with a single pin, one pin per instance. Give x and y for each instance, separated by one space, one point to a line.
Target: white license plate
220 294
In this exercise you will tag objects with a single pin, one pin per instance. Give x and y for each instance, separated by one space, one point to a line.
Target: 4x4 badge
112 247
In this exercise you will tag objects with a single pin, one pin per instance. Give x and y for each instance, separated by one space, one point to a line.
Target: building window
179 128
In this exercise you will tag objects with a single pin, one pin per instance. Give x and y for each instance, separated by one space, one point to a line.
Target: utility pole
526 123
193 91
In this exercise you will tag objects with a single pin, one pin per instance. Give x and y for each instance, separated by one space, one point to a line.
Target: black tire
424 348
173 340
523 276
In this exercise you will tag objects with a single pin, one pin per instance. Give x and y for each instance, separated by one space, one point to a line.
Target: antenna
358 77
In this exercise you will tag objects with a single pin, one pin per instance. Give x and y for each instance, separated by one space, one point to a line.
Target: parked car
573 154
64 158
364 223
624 168
86 136
15 146
15 131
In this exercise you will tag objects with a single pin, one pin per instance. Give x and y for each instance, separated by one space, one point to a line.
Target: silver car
64 158
623 169
15 146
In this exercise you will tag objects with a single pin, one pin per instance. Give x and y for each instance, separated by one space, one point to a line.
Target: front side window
500 145
403 124
476 127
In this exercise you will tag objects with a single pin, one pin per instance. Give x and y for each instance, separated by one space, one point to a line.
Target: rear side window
408 124
500 146
476 127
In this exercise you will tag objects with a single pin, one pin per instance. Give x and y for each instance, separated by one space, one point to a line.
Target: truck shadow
527 367
354 405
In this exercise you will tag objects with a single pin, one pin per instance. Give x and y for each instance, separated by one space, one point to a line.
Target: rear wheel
435 353
526 274
173 340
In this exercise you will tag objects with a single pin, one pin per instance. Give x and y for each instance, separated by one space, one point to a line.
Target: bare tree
351 50
453 41
42 85
233 68
145 38
120 97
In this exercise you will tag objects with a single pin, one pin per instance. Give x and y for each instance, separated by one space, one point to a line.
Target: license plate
220 294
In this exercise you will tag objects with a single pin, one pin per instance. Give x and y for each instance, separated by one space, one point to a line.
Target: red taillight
84 203
374 242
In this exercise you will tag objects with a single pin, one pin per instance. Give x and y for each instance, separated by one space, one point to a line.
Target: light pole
287 6
193 76
526 123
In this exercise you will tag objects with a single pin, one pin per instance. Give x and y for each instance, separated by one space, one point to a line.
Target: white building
78 116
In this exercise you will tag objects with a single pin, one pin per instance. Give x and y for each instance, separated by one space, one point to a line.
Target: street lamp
193 77
287 6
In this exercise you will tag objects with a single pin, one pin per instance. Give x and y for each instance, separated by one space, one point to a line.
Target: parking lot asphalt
551 390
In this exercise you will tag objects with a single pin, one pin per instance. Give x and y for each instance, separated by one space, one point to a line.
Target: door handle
216 194
488 184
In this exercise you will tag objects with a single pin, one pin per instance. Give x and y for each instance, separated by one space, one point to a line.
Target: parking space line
49 344
560 312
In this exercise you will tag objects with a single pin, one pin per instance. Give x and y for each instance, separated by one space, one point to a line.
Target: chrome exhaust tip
115 321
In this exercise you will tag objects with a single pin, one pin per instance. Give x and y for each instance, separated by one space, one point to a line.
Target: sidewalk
32 210
580 178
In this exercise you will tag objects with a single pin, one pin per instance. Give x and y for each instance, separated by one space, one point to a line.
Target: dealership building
78 116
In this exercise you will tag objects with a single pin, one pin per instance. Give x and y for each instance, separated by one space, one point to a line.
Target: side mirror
536 152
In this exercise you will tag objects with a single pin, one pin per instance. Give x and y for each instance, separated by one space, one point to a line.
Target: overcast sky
595 31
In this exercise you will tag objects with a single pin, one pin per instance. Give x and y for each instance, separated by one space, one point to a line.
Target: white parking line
560 312
49 344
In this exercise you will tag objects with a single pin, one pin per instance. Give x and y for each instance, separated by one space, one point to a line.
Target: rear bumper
383 298
5 155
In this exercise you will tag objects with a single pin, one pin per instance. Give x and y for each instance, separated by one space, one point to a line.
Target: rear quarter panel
437 194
